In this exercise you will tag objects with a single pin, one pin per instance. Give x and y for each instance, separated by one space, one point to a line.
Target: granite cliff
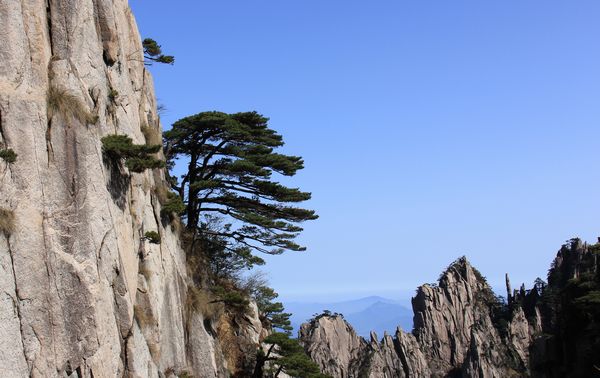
461 329
83 293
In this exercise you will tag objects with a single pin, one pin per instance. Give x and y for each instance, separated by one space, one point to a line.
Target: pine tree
231 161
138 157
153 53
285 355
273 312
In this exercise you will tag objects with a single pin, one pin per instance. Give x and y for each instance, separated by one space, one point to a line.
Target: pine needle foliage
152 237
264 296
224 263
8 155
153 53
286 355
137 156
232 161
278 319
172 205
233 300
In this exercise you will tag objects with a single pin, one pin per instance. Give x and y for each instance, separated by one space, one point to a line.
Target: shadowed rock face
457 333
570 306
81 291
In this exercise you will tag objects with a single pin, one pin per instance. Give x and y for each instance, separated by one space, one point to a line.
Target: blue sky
429 129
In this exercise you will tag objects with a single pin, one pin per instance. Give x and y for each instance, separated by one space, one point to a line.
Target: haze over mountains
366 314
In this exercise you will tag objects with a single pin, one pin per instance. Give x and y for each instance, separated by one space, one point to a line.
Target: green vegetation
573 305
285 355
231 163
224 262
153 53
8 155
460 265
235 300
69 106
570 307
7 221
173 204
112 95
137 156
233 208
152 237
272 312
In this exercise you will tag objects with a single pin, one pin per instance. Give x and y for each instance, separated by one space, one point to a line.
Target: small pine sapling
152 237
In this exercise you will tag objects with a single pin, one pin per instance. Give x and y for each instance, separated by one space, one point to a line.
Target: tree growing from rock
285 355
231 161
137 157
153 53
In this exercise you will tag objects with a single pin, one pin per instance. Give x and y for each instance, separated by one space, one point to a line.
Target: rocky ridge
83 293
459 330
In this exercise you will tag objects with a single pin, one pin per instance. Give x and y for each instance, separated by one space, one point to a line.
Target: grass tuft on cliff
153 136
60 101
7 221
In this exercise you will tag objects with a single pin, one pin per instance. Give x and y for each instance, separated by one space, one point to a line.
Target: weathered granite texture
82 293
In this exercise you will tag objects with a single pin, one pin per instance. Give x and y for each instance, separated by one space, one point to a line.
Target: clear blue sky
430 129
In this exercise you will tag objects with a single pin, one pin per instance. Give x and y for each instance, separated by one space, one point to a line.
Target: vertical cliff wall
82 292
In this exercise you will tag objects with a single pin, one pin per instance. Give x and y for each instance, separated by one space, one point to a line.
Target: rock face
82 292
334 345
569 344
460 330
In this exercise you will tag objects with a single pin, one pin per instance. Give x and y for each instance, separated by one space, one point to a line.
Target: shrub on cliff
137 156
152 237
173 205
8 155
232 299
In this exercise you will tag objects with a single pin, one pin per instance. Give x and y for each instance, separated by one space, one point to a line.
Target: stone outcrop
461 329
82 292
335 346
569 342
